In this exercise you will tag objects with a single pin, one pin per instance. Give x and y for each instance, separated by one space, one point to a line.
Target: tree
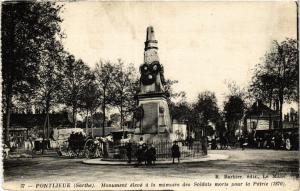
90 100
204 110
124 88
50 78
76 75
104 78
27 28
180 109
276 79
234 112
234 106
169 89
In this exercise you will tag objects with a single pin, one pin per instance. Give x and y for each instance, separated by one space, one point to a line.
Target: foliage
205 109
28 30
50 77
90 101
76 76
168 85
125 87
276 79
181 109
103 73
234 111
234 108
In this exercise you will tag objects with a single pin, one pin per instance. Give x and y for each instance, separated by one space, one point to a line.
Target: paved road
239 163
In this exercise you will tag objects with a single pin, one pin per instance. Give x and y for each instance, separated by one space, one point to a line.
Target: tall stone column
154 122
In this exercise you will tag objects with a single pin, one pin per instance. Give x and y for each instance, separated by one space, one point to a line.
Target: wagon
78 146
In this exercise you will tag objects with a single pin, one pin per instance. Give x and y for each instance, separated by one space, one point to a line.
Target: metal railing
163 150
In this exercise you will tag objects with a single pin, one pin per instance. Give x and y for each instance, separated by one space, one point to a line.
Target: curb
209 157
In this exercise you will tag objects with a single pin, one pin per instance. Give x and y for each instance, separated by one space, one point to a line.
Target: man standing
175 151
128 152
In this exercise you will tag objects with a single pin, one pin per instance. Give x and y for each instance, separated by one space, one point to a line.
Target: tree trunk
10 75
87 122
74 117
121 121
92 124
47 117
8 112
103 110
280 111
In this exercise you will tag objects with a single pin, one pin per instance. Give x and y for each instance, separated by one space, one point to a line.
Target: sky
201 44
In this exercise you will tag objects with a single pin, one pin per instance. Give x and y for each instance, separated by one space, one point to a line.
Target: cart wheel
87 153
97 153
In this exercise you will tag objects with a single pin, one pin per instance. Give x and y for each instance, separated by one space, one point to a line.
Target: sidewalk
209 157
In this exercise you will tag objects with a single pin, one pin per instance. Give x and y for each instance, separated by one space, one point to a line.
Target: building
260 118
23 126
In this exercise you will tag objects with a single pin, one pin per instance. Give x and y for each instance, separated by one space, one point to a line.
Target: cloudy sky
201 44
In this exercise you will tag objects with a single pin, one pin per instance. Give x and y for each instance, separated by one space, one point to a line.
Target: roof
258 109
32 120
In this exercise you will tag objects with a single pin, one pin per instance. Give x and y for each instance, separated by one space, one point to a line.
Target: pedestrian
139 154
141 141
150 156
287 142
144 152
242 141
128 152
175 151
213 144
6 151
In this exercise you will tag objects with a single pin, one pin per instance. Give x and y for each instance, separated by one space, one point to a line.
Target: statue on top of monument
152 72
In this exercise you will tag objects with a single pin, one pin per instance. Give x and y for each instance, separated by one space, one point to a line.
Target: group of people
144 153
147 153
273 140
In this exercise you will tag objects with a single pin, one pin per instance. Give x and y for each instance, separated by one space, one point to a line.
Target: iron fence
163 150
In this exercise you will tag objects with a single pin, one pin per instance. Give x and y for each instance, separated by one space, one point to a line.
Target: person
213 144
260 142
189 141
6 151
204 145
144 152
128 152
287 142
52 135
141 141
277 141
175 151
242 141
151 155
139 154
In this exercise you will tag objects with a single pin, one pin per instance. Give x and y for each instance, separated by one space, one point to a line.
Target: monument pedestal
153 119
155 125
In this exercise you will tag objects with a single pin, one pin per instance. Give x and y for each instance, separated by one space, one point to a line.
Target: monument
153 121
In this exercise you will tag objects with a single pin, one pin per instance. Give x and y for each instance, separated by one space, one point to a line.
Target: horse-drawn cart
77 145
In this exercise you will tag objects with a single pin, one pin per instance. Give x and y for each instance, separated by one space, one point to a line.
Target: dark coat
151 154
175 151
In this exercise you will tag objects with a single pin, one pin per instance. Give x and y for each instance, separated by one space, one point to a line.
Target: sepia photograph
150 95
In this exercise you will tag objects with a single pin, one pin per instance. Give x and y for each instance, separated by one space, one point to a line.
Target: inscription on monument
150 120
